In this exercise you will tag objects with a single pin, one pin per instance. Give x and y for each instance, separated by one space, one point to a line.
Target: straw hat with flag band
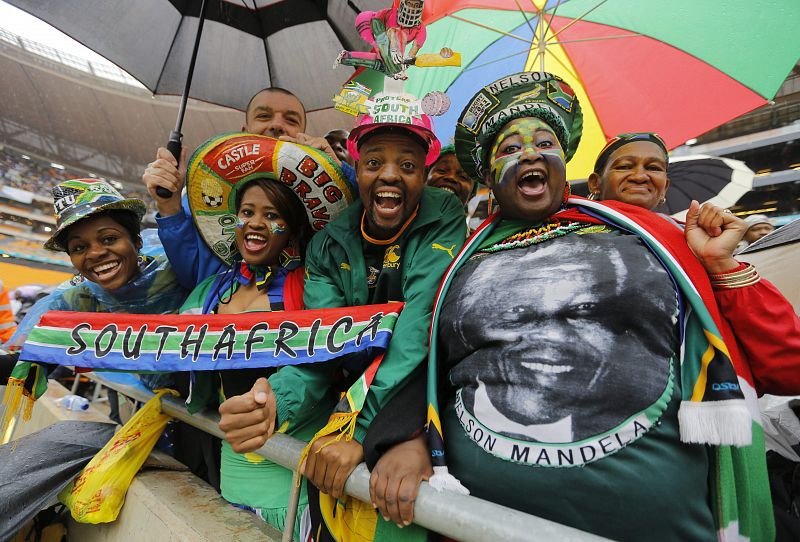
221 166
79 198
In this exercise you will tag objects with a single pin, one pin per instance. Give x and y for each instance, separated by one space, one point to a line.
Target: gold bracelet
736 279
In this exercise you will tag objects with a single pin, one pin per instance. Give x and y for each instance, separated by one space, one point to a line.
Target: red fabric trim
293 290
768 330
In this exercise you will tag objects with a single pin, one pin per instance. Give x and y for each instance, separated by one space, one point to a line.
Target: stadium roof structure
96 118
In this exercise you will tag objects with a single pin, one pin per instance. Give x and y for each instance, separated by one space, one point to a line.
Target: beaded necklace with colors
538 234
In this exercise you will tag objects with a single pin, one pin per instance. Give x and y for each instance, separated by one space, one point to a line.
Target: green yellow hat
526 94
79 198
221 166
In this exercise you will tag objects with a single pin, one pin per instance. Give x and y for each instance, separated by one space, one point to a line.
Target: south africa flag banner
136 342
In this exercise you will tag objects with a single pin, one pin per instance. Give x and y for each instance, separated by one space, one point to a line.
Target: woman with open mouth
572 344
231 180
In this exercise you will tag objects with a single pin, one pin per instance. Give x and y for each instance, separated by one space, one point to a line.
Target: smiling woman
562 338
257 202
104 248
99 230
632 168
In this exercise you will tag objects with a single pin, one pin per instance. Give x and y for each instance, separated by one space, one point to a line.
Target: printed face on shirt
527 170
102 250
274 114
635 173
263 232
574 333
391 177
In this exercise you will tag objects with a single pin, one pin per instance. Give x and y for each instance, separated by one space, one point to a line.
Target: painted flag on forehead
137 342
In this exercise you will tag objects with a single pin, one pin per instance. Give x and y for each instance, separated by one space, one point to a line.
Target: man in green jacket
393 245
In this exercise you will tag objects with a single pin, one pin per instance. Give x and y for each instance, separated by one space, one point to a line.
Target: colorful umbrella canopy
679 68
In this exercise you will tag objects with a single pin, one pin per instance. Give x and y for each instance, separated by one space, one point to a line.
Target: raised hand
712 234
165 172
319 143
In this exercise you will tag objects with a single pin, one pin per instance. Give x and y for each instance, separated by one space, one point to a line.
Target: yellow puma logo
345 266
437 246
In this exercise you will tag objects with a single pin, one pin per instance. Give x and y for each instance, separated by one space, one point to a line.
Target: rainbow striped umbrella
679 68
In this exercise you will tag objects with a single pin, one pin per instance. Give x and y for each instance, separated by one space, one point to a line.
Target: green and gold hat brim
527 94
88 209
221 166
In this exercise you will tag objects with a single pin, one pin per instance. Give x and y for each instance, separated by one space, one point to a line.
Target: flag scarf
169 343
718 405
137 342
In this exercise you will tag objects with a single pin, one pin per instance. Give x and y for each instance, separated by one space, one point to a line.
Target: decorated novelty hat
526 94
78 198
221 166
394 110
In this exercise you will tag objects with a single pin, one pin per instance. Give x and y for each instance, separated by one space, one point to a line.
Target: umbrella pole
175 143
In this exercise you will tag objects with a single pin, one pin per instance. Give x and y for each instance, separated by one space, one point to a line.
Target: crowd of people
32 175
27 174
588 361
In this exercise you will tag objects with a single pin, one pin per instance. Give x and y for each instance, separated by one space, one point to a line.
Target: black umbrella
720 181
246 45
36 467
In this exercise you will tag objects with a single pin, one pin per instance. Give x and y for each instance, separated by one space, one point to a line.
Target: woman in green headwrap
579 368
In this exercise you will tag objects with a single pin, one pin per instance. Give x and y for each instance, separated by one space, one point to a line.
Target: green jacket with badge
336 276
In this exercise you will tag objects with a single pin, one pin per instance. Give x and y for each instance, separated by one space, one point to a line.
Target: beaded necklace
538 234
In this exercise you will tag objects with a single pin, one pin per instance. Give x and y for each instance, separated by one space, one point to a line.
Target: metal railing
460 517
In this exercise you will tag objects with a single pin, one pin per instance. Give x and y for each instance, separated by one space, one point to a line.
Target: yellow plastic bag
98 493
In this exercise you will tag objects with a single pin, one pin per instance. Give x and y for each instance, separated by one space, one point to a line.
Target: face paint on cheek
239 222
557 165
276 228
505 168
555 161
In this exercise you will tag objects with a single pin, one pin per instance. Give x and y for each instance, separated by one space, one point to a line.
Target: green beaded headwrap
526 94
